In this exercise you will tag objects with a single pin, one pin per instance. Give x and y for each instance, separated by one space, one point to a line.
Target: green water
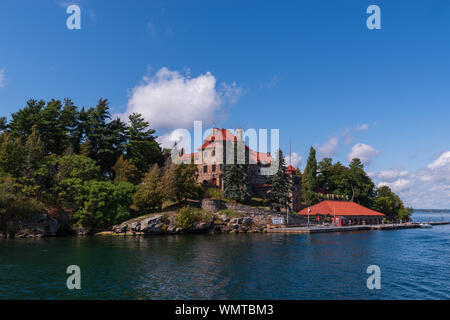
414 265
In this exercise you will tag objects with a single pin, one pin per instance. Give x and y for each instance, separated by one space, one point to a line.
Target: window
213 152
221 166
205 169
213 168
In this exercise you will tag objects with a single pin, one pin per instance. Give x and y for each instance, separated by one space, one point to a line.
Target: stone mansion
210 171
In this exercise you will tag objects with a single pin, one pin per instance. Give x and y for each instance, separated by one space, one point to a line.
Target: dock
325 229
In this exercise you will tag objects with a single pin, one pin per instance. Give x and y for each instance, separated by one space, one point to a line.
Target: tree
169 180
235 178
12 155
185 184
361 185
149 195
125 170
23 120
142 148
390 204
280 190
309 179
71 174
102 203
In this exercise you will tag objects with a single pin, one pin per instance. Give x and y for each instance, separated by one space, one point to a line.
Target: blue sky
310 68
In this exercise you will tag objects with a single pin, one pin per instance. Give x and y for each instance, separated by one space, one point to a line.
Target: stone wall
211 204
261 215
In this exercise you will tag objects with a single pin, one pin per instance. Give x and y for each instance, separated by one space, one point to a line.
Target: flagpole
308 216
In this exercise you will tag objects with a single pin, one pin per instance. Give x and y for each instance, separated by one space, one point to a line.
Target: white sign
277 220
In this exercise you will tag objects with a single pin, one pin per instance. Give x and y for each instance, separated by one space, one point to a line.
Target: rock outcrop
39 225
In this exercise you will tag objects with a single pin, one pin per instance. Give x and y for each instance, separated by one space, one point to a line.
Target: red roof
227 135
290 168
341 208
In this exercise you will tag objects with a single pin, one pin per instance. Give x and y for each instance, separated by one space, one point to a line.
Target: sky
311 69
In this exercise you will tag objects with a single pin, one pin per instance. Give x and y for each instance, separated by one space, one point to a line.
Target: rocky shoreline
244 220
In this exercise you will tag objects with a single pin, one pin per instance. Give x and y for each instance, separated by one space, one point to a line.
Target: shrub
102 203
186 218
213 193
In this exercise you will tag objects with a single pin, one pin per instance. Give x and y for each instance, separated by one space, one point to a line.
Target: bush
186 218
102 203
213 193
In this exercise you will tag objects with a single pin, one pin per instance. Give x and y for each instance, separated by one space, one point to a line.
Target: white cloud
396 186
169 100
176 136
2 78
388 175
442 161
425 188
362 127
363 152
329 148
295 159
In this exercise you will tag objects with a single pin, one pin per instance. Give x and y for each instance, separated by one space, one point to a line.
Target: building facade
219 148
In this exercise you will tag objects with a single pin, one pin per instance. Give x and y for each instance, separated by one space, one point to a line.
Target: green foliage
309 179
142 148
235 179
14 205
125 170
103 203
213 193
186 218
185 185
281 184
150 195
390 204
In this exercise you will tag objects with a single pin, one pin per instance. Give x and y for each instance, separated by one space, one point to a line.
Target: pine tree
235 179
142 148
281 184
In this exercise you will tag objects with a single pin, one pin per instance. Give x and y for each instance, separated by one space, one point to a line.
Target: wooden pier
324 229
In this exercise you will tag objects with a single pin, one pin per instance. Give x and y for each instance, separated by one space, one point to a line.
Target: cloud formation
362 127
294 159
169 99
363 152
329 148
428 187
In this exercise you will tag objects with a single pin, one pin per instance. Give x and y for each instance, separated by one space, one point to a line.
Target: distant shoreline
432 210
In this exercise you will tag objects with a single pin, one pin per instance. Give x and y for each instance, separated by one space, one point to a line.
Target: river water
414 264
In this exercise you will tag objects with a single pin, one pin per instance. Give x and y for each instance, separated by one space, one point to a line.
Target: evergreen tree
142 148
309 179
23 120
280 190
235 179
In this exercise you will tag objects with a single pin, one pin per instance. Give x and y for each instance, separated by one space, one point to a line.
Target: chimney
239 134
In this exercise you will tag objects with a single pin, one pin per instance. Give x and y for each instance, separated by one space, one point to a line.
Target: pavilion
343 213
